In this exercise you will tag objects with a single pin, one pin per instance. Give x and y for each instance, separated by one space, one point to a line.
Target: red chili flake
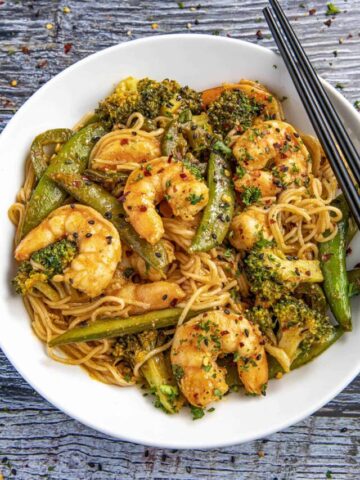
183 176
124 141
312 11
161 170
173 302
349 251
128 253
259 35
241 344
42 63
170 158
224 332
308 273
67 47
326 257
143 208
76 183
147 173
328 22
25 50
272 221
276 145
283 155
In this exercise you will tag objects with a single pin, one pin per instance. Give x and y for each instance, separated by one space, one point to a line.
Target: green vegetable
149 97
313 296
185 133
106 178
332 256
156 371
232 109
39 159
53 260
272 275
354 282
218 213
118 327
72 158
306 356
98 198
300 327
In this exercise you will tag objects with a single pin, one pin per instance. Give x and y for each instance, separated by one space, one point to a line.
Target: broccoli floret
300 327
264 318
149 97
132 349
271 274
232 109
44 264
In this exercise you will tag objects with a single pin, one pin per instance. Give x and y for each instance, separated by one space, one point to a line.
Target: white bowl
200 61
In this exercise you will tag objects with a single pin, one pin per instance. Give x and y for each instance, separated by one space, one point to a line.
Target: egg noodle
298 219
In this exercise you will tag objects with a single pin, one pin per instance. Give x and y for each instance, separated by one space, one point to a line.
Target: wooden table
39 39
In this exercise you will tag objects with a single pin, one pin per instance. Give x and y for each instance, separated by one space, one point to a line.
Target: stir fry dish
191 243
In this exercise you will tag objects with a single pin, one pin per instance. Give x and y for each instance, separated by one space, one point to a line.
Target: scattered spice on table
67 47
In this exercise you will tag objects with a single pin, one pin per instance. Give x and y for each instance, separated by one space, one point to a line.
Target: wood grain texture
36 440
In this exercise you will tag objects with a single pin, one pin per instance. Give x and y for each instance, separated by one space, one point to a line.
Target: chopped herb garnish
197 412
194 199
178 372
332 9
339 86
250 195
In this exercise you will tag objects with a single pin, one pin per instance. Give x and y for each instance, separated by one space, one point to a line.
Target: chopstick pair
323 116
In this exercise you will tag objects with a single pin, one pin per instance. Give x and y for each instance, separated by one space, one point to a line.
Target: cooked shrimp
97 240
132 260
150 296
150 184
248 227
272 156
197 346
121 147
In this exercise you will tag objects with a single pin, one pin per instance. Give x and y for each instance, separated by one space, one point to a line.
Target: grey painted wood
36 440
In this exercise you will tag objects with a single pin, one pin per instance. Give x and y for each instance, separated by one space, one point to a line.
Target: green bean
118 327
72 158
305 357
218 213
38 157
98 176
332 256
101 200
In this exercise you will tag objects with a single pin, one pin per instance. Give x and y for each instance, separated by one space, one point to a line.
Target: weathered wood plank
36 440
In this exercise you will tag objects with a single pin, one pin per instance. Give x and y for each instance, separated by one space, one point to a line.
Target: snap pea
38 157
354 282
98 176
72 158
101 200
332 256
305 357
218 213
118 327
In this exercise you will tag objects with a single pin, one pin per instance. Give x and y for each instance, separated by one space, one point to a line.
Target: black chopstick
340 134
321 126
